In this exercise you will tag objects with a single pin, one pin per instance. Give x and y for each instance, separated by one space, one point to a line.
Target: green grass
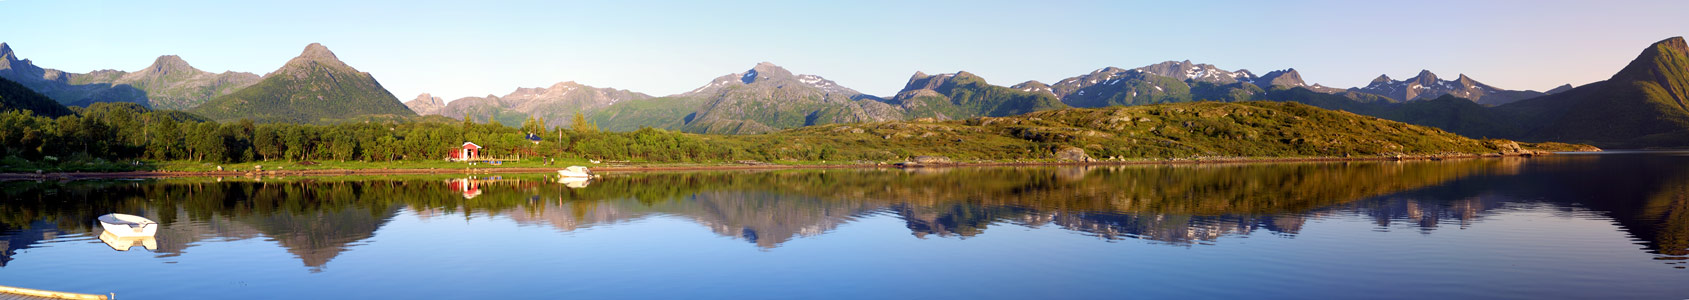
279 165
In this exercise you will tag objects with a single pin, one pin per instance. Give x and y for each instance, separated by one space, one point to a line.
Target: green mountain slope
1646 104
663 113
964 95
315 87
14 96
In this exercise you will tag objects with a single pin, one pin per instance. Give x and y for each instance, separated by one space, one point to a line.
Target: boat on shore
123 225
575 172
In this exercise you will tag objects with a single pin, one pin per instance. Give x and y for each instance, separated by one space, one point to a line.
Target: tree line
112 132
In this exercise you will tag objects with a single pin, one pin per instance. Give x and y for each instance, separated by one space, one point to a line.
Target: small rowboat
575 172
123 225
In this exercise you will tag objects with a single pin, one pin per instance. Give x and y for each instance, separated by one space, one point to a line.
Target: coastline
708 167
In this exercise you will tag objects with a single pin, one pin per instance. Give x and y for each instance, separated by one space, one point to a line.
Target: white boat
123 225
575 172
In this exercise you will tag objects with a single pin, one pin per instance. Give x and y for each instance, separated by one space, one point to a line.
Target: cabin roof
471 145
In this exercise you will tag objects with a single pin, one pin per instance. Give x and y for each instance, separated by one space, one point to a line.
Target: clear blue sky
471 48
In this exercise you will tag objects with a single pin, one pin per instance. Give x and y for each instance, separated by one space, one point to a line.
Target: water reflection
124 243
317 219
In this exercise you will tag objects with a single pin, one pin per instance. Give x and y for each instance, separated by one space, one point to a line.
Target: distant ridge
1426 85
169 83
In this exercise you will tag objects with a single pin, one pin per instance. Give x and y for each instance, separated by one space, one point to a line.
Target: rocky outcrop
426 104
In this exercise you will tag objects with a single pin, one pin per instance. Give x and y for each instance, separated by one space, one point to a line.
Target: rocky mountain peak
765 70
1382 79
1032 83
318 51
1425 77
1559 89
1656 62
922 81
6 52
1675 42
426 104
1033 86
564 85
429 98
1466 81
169 64
1187 70
316 55
1112 70
1287 77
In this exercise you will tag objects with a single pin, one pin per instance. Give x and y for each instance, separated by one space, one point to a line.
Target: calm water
1601 226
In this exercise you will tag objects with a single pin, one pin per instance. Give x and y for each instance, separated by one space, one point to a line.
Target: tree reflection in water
318 218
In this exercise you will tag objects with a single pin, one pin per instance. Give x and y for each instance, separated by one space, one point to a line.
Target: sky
457 49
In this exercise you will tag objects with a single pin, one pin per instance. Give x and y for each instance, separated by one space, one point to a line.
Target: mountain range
1643 105
169 83
554 104
1426 86
764 98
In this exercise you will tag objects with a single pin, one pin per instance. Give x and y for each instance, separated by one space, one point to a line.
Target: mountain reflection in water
316 219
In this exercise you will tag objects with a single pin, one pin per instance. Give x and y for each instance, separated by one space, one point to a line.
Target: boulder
930 160
1072 154
1506 147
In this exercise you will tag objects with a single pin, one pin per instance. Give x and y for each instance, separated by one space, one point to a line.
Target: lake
1599 226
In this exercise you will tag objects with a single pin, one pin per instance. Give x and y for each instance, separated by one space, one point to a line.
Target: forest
110 133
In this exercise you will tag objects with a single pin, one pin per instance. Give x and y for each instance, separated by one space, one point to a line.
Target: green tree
580 125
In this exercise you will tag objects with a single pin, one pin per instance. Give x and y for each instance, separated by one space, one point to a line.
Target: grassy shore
280 168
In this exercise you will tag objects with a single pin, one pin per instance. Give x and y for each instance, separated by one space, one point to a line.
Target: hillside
1646 104
664 113
14 96
1178 130
314 87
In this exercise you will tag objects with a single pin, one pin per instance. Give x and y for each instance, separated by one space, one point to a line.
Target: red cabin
470 151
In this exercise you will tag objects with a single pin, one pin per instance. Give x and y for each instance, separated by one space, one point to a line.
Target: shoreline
662 168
